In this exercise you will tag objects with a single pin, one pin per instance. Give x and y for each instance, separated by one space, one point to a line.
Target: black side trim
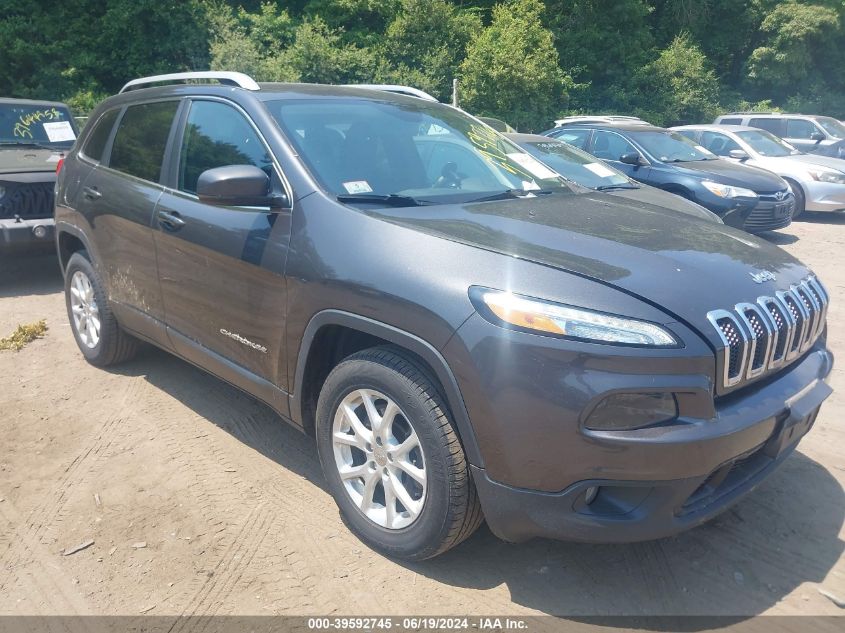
403 339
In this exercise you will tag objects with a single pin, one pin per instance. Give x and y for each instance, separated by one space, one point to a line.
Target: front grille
765 335
770 215
29 201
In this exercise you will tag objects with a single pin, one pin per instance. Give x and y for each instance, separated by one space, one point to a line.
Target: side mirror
238 186
738 154
817 136
632 158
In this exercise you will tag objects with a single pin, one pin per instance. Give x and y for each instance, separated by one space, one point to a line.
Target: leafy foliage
511 68
526 61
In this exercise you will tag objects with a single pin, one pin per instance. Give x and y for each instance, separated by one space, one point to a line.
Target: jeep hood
684 265
14 160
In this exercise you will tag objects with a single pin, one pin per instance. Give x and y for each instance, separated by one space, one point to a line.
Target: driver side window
217 135
800 128
719 144
610 146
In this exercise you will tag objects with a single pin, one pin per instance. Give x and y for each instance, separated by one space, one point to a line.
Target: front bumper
752 214
26 235
540 460
825 196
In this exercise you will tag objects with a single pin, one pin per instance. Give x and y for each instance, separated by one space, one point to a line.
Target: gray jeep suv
466 335
33 137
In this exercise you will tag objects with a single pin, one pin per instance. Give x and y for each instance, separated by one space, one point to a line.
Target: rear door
118 198
222 268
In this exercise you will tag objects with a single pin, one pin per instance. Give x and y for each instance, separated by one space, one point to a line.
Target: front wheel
392 458
800 199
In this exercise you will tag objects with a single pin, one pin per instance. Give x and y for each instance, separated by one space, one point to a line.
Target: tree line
525 61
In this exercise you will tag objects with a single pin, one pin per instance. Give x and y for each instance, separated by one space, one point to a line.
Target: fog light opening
590 494
40 231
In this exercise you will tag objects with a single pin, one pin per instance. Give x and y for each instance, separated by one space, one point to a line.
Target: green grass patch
24 335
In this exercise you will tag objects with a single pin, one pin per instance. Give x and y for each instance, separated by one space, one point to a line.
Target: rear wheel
800 199
98 334
392 458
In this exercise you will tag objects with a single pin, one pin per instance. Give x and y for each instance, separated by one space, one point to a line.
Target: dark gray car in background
467 336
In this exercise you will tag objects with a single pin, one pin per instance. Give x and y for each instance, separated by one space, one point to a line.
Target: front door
222 268
610 147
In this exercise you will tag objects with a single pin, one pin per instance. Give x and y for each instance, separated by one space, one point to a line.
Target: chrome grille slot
760 330
781 329
799 316
734 346
812 313
769 333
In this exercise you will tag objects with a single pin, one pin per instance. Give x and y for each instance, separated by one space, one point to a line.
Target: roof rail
227 78
750 112
403 90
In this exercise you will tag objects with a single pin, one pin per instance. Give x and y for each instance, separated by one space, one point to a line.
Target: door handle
170 221
91 193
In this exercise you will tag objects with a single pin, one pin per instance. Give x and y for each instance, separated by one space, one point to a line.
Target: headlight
727 191
559 320
823 175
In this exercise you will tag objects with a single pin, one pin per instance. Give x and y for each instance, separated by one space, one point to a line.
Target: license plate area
791 431
782 210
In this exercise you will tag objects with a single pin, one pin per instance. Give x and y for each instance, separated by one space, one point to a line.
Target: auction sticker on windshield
600 170
357 186
58 131
533 166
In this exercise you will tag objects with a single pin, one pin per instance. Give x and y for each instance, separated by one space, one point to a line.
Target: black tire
451 511
114 345
800 199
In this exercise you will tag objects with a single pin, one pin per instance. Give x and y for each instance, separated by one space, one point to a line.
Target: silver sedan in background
818 182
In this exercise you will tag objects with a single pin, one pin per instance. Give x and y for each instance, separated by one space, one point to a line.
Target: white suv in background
818 182
808 132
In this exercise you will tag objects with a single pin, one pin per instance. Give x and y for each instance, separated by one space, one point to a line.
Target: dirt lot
200 501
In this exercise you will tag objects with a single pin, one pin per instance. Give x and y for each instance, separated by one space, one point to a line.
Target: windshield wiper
513 193
392 199
611 187
28 144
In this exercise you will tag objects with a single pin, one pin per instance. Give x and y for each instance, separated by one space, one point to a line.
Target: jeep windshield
671 147
36 125
577 165
408 152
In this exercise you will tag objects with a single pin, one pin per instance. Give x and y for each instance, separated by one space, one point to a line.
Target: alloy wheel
83 306
379 459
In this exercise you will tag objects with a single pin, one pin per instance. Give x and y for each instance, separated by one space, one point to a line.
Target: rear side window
730 121
217 135
770 125
96 143
141 139
800 128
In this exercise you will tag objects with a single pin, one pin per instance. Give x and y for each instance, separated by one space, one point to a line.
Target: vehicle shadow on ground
775 237
816 217
29 275
245 418
782 535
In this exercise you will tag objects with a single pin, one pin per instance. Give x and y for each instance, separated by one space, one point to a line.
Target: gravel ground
200 501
